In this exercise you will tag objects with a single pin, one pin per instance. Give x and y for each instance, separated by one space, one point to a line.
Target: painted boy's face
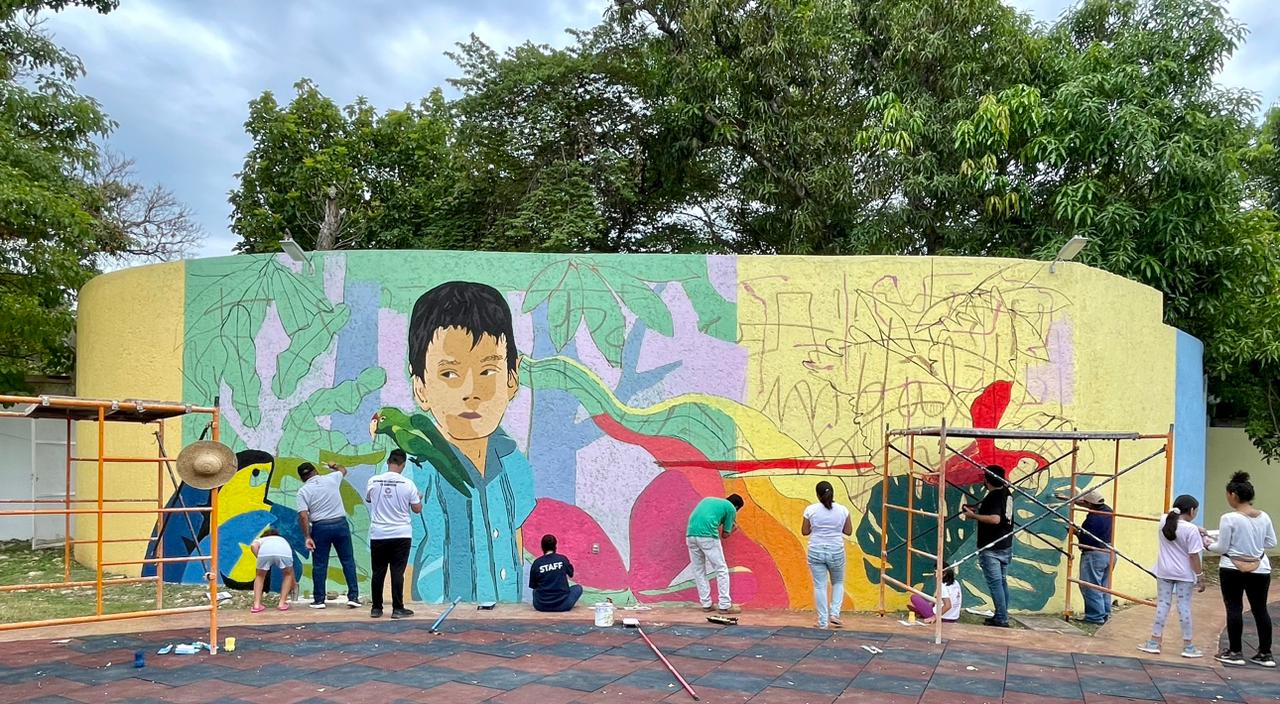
467 386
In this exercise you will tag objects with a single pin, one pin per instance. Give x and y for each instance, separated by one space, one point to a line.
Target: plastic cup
230 644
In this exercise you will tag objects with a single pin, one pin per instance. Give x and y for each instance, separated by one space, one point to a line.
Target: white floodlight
295 252
1069 251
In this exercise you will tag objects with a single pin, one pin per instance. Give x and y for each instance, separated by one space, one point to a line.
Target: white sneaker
315 605
354 604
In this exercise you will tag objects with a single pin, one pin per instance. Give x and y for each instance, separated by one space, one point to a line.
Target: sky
177 77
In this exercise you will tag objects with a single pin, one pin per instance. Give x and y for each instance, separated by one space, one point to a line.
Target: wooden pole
942 520
1071 527
102 433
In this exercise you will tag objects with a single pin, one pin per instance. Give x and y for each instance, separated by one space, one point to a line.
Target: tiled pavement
518 662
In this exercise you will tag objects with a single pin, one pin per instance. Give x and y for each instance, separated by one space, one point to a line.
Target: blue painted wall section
1190 413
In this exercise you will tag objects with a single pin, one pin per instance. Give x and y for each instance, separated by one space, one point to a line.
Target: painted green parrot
422 442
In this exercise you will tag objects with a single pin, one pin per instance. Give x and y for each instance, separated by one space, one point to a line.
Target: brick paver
511 662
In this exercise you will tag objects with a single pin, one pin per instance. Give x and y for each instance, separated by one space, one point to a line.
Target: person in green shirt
711 519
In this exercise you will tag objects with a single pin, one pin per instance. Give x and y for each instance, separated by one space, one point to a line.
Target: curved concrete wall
645 382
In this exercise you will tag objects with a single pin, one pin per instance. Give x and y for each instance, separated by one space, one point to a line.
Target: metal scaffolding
918 471
101 412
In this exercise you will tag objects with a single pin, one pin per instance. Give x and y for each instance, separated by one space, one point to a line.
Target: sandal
283 607
257 609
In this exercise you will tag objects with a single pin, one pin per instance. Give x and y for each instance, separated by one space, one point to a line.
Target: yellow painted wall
129 346
1230 450
841 348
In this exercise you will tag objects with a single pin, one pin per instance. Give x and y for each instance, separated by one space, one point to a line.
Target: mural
600 397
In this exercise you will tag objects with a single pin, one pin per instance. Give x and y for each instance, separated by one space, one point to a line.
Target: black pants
1237 585
393 553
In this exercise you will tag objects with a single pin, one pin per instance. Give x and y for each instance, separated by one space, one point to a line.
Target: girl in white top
827 523
1244 536
1178 569
952 597
273 552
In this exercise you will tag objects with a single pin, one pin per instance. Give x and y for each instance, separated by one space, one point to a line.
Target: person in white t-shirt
827 523
952 596
272 552
1245 534
391 497
1178 569
323 519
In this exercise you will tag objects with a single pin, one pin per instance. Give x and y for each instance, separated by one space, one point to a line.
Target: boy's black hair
269 531
396 457
548 543
477 308
305 470
735 500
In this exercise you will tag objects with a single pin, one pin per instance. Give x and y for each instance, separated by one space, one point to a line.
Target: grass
19 564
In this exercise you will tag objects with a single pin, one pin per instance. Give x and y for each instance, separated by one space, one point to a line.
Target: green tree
337 178
875 127
64 209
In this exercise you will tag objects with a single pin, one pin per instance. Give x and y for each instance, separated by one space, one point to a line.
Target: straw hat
206 464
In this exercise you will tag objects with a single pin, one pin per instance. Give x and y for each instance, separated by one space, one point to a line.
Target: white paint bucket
604 614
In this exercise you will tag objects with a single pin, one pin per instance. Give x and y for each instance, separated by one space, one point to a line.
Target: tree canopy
827 127
66 208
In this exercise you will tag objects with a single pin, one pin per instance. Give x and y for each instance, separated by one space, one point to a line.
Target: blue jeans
1094 565
827 563
334 534
995 567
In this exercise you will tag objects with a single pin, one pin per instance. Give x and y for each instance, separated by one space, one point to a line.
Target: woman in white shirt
1245 534
827 523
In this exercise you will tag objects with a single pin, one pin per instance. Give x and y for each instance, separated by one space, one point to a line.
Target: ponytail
1181 505
826 494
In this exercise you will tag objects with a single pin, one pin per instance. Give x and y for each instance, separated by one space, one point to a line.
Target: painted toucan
422 442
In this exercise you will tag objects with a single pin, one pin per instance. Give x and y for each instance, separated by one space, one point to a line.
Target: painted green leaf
564 310
603 314
305 346
239 368
640 299
547 281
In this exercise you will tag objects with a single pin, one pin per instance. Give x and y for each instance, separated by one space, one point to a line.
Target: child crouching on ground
951 597
272 551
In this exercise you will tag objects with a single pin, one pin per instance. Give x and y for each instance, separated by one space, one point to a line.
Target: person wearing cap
324 526
1094 538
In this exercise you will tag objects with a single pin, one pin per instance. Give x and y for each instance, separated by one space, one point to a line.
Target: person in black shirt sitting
549 579
995 524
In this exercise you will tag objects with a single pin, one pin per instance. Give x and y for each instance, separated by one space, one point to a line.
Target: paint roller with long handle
444 615
664 660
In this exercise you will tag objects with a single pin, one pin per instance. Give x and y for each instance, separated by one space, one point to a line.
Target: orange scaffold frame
101 412
917 470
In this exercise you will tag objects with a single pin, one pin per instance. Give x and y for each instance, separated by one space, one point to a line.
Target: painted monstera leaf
578 290
1033 573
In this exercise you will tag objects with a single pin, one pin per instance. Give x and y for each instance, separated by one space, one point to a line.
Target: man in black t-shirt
549 579
995 524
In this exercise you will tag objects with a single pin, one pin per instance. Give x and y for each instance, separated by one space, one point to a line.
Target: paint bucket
604 614
230 645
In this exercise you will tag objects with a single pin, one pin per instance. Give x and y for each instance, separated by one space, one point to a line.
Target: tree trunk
328 236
